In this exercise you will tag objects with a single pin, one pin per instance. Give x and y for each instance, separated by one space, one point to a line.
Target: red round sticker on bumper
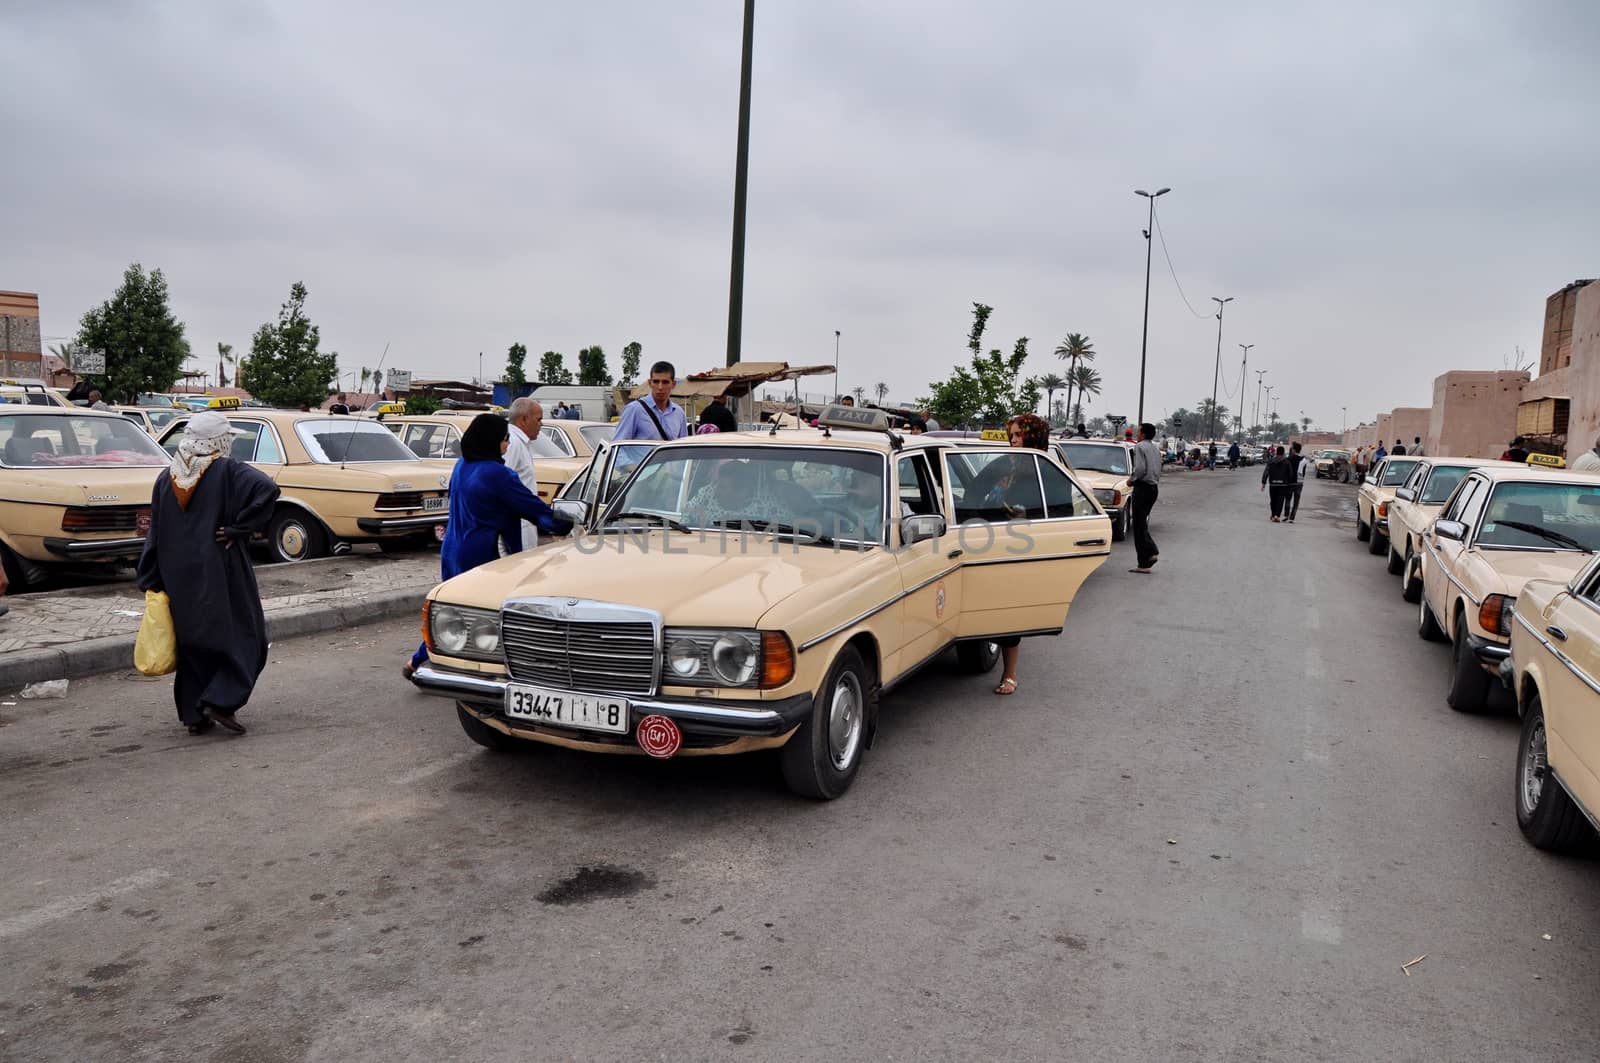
659 737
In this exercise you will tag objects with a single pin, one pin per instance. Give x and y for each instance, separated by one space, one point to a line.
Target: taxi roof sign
391 407
857 417
995 434
1548 461
224 402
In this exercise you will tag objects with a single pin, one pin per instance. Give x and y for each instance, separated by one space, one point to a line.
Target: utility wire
1168 256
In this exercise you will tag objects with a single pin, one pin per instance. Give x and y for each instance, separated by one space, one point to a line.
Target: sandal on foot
1006 688
225 719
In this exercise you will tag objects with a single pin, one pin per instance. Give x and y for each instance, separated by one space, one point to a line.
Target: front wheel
977 658
1363 533
1376 540
822 757
16 577
1427 627
295 535
1547 815
1469 683
1396 562
485 735
1411 578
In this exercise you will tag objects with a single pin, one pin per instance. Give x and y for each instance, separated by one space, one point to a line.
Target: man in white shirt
525 417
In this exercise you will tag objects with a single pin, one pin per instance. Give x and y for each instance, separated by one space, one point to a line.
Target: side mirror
921 528
1450 529
1406 493
572 509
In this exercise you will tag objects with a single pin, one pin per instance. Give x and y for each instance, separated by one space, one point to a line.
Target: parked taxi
436 437
151 418
342 480
1500 528
1554 674
1373 499
1416 504
747 591
74 488
1106 468
576 439
15 392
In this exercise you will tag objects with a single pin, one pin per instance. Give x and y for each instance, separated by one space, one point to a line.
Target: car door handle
952 555
1091 542
1556 633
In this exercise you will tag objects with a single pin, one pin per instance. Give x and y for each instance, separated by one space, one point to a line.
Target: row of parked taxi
1500 560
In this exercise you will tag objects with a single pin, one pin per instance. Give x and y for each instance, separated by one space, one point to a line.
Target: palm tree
859 392
225 358
1306 422
880 389
1087 380
1075 349
1051 384
1210 413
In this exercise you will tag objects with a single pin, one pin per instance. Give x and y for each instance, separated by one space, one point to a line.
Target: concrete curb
115 654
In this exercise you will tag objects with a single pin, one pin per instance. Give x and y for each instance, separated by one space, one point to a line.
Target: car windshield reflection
1542 516
1096 457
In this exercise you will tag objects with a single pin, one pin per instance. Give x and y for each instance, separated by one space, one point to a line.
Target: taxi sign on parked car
853 417
391 408
1548 461
998 435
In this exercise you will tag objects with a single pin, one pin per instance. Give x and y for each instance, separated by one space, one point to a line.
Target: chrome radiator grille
593 656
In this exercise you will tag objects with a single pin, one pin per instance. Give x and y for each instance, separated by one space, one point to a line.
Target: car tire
16 577
1546 813
1119 530
1377 541
1363 532
295 535
1469 683
1428 628
1396 562
977 658
1410 585
484 735
821 758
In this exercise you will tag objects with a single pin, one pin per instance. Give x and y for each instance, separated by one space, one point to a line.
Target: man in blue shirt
654 416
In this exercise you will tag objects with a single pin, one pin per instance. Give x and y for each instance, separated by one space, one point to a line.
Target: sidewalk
85 631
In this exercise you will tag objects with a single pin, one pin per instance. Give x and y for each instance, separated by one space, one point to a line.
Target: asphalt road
1221 813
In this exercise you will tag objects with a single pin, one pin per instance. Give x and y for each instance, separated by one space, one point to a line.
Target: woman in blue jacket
488 504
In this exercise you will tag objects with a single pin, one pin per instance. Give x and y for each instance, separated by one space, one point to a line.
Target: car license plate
436 502
564 708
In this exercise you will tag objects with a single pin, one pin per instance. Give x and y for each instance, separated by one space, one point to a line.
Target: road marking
427 771
23 922
1321 925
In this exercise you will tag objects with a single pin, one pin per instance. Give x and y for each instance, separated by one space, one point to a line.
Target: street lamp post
741 178
835 365
1144 342
1344 421
1216 375
1269 402
1244 374
1255 414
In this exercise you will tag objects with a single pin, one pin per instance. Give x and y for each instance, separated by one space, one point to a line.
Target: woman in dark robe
488 503
203 511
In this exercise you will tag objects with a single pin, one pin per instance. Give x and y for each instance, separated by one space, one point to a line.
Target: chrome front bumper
402 525
762 719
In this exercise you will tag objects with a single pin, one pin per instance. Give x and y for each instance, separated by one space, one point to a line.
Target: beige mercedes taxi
342 479
436 437
576 439
747 591
1373 498
153 419
1105 466
1415 505
74 489
1500 528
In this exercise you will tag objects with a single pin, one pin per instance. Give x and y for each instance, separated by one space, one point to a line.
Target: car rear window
336 440
31 441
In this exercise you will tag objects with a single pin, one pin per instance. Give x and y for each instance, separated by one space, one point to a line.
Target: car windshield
824 493
336 440
1096 457
160 418
595 434
1542 515
34 442
1441 482
1395 472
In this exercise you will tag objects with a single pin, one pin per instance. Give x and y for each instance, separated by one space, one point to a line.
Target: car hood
378 476
1513 568
688 581
1095 478
80 486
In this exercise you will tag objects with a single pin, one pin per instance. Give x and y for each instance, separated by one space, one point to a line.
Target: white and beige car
341 479
153 419
1373 498
1554 674
1415 506
748 591
1500 528
436 437
576 439
1106 468
75 489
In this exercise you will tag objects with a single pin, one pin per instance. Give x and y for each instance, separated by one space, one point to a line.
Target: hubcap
292 540
1534 766
845 711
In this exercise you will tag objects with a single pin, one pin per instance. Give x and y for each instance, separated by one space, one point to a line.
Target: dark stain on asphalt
596 883
475 939
1071 941
742 1033
124 749
108 971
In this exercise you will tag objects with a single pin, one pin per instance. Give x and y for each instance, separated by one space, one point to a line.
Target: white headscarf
205 438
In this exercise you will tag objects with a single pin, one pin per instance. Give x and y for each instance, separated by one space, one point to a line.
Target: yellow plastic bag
156 651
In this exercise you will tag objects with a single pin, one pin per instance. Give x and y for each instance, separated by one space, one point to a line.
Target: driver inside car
738 493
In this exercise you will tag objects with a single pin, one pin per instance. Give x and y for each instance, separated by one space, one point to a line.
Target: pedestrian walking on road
1233 455
1146 488
203 510
1301 465
1026 430
1399 447
1416 447
1276 477
488 504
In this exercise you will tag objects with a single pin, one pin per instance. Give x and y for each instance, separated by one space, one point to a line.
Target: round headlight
486 636
1105 494
733 658
449 629
684 657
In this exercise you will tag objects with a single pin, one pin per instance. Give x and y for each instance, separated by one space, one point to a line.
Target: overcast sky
1386 190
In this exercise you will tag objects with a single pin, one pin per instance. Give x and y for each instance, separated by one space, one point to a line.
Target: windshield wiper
774 527
658 517
1553 536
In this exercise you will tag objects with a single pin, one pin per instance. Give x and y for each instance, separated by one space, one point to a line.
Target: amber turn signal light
1495 614
777 659
427 637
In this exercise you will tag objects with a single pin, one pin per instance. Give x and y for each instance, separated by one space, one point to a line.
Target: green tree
592 371
1305 423
880 389
225 358
992 389
1086 378
1098 426
1051 383
423 404
630 362
859 392
286 366
553 368
144 343
516 358
1210 415
1075 350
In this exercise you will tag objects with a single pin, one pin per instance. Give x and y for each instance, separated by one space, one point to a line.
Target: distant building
20 352
1560 312
1561 409
1474 412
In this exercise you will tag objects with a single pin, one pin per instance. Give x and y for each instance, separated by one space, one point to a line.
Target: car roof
56 411
1469 463
1502 472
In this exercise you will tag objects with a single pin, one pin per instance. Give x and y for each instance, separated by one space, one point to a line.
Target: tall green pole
740 180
